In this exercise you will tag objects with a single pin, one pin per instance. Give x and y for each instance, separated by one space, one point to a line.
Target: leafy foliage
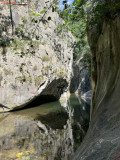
84 14
75 20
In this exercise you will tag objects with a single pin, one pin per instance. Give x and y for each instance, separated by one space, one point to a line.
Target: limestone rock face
80 81
33 53
102 141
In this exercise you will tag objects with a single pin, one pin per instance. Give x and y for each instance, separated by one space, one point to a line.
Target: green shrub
17 44
45 58
24 19
7 72
61 74
38 80
21 79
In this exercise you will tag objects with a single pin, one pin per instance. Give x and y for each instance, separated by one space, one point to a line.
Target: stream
46 132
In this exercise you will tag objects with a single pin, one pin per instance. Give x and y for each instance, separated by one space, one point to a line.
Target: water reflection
46 132
80 118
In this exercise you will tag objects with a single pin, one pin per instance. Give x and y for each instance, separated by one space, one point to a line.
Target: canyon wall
35 56
102 141
80 80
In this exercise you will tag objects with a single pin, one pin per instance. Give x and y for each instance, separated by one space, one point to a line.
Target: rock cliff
35 58
102 141
80 81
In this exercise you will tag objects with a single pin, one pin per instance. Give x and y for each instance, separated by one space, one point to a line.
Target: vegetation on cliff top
75 19
86 14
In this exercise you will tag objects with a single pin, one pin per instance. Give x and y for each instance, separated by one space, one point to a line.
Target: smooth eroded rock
102 141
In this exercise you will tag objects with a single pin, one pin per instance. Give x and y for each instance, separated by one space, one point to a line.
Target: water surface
46 132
